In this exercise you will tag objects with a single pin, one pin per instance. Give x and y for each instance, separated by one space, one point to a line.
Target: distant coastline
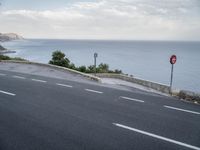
5 37
5 51
2 48
114 40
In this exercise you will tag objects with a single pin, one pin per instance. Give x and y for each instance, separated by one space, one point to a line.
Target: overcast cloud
108 19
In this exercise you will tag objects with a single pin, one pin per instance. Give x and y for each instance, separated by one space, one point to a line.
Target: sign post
95 62
172 61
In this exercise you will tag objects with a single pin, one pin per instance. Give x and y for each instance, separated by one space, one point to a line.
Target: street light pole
95 62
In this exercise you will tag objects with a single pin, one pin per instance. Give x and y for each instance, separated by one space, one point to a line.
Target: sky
102 19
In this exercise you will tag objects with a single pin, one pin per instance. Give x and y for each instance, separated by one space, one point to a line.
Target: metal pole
95 64
172 70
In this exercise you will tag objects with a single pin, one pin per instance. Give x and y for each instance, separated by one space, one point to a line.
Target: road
41 113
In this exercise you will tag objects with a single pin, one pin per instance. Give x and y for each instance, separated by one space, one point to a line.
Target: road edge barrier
153 85
181 94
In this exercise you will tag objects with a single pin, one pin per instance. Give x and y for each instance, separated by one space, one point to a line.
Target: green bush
103 68
58 58
90 69
82 68
118 71
72 66
2 57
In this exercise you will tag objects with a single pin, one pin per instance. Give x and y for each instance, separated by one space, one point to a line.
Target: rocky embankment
4 37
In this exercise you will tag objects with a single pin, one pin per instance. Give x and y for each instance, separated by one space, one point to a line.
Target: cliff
2 48
9 36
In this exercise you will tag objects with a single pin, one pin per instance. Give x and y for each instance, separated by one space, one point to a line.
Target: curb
91 77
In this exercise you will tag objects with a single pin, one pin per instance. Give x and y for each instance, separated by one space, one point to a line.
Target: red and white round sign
173 59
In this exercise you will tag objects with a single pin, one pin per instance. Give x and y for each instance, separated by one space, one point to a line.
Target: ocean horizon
143 59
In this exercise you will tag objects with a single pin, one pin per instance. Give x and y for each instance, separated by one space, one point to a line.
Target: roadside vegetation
59 59
3 57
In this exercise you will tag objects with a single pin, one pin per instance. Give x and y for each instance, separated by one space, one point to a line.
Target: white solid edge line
19 77
157 136
38 80
189 111
65 85
8 93
89 90
1 74
132 99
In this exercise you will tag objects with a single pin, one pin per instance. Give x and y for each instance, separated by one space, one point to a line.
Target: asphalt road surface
41 113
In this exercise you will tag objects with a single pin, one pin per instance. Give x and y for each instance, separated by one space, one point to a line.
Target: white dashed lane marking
94 91
131 99
7 93
39 80
64 85
157 136
180 109
19 77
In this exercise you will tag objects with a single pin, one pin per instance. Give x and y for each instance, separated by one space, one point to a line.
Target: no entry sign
173 59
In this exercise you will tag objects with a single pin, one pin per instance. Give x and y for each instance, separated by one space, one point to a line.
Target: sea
148 60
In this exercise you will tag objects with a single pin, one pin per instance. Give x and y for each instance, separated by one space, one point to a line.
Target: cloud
110 19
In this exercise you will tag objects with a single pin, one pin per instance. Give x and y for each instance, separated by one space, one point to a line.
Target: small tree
58 58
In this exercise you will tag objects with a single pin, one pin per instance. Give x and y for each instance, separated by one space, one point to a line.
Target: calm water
143 59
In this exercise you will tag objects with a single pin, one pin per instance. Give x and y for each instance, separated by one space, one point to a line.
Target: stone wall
156 86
